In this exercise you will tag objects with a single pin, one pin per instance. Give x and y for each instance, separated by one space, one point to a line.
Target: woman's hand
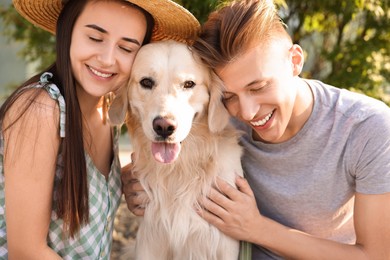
135 195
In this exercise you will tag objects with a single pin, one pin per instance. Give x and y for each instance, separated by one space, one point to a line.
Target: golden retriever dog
180 132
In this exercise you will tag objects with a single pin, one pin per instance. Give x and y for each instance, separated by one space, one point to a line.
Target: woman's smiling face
105 40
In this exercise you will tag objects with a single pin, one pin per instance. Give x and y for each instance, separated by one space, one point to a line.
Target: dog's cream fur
169 81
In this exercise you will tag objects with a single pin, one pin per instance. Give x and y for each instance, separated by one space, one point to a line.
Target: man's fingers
243 186
211 212
232 192
209 217
218 198
227 189
215 203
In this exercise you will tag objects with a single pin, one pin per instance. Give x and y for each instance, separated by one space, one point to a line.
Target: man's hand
233 211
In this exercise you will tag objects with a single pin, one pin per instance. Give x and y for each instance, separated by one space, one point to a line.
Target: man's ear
218 116
297 59
118 108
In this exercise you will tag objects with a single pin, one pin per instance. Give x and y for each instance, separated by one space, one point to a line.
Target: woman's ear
119 107
218 116
297 59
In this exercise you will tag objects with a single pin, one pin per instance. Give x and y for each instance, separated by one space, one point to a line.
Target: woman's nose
107 56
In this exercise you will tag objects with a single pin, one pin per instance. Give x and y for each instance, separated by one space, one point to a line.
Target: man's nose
248 108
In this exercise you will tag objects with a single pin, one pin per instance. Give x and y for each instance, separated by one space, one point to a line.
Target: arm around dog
225 206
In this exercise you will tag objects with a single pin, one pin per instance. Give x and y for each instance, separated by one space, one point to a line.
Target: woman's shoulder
34 108
37 103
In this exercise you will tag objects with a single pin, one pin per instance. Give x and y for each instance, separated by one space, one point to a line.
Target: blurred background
346 42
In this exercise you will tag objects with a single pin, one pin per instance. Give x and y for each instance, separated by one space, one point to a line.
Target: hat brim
172 21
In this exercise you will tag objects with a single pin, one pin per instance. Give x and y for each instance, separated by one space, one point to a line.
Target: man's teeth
263 121
97 73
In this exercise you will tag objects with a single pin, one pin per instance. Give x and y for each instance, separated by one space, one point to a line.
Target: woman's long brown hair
72 196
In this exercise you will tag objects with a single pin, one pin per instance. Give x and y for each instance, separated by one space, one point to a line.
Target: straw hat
172 21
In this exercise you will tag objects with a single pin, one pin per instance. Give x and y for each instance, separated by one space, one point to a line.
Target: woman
60 172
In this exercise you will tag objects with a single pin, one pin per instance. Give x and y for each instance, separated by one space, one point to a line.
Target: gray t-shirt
308 182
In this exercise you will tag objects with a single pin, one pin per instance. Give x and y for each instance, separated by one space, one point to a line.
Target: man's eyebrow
100 29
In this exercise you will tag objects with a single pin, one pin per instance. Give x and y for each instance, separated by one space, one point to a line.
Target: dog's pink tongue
165 152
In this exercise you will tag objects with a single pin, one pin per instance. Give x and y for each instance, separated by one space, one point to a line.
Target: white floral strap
54 93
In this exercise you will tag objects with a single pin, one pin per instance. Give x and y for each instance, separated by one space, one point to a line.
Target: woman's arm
31 147
235 213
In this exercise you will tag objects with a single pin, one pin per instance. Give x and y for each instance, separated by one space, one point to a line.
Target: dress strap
54 93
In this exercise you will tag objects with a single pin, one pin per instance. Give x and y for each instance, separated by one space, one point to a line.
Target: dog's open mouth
165 152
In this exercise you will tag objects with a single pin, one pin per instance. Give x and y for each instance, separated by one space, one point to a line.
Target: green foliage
351 38
200 8
39 44
347 42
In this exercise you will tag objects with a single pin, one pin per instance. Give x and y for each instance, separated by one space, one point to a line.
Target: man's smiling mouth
262 121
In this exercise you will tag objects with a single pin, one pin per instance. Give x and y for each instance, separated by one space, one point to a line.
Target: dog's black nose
164 127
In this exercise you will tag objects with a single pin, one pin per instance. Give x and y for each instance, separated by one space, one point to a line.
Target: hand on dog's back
135 195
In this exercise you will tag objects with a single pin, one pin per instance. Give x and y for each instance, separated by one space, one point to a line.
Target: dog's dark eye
189 84
147 83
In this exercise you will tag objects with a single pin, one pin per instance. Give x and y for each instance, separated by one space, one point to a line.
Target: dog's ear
118 108
218 117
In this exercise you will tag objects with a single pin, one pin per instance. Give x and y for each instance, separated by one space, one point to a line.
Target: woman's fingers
136 203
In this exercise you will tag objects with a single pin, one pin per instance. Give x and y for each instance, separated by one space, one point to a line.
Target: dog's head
169 91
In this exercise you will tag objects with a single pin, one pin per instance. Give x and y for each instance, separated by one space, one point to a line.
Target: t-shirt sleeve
370 153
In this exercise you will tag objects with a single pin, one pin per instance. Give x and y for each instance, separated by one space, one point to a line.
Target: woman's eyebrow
100 29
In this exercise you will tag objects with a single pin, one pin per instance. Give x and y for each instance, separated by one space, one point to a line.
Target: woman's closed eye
95 39
126 49
122 47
